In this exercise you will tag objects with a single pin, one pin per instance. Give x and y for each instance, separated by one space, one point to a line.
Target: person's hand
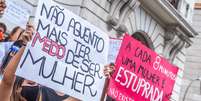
7 83
28 33
109 70
2 6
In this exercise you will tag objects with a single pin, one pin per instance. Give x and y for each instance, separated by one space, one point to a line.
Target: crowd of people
14 88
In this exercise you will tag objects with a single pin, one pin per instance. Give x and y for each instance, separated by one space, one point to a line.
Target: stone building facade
160 24
192 71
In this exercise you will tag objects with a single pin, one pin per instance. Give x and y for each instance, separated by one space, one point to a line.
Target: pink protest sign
141 74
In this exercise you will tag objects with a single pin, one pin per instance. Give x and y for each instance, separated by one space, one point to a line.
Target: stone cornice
168 15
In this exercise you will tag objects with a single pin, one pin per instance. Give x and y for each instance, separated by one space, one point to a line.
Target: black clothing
50 95
30 93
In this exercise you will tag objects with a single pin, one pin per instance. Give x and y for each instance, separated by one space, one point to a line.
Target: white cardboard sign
66 53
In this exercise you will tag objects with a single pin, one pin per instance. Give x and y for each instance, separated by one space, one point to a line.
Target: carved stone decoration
171 39
176 49
119 11
173 44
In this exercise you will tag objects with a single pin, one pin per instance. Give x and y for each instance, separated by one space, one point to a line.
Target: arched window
144 39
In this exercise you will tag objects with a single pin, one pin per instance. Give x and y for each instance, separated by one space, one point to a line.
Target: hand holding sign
26 36
109 70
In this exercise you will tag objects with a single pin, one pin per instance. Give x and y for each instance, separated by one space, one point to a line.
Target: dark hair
16 96
14 30
18 81
12 33
3 26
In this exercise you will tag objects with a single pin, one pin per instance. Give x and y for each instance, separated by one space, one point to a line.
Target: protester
50 95
7 83
17 88
2 7
3 29
14 34
25 90
18 36
8 43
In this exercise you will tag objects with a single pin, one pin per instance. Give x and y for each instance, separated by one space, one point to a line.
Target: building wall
193 63
96 12
186 8
178 61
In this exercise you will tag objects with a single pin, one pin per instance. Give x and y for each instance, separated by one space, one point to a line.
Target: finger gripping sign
140 74
66 53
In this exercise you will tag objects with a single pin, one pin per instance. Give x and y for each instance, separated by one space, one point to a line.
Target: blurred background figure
3 29
2 25
14 34
2 7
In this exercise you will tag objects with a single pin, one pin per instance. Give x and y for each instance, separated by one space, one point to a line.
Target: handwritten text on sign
141 74
66 53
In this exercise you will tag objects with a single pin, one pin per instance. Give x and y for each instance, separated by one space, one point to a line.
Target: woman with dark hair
17 88
14 34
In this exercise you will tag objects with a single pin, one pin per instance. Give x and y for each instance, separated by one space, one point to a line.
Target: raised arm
8 80
7 83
